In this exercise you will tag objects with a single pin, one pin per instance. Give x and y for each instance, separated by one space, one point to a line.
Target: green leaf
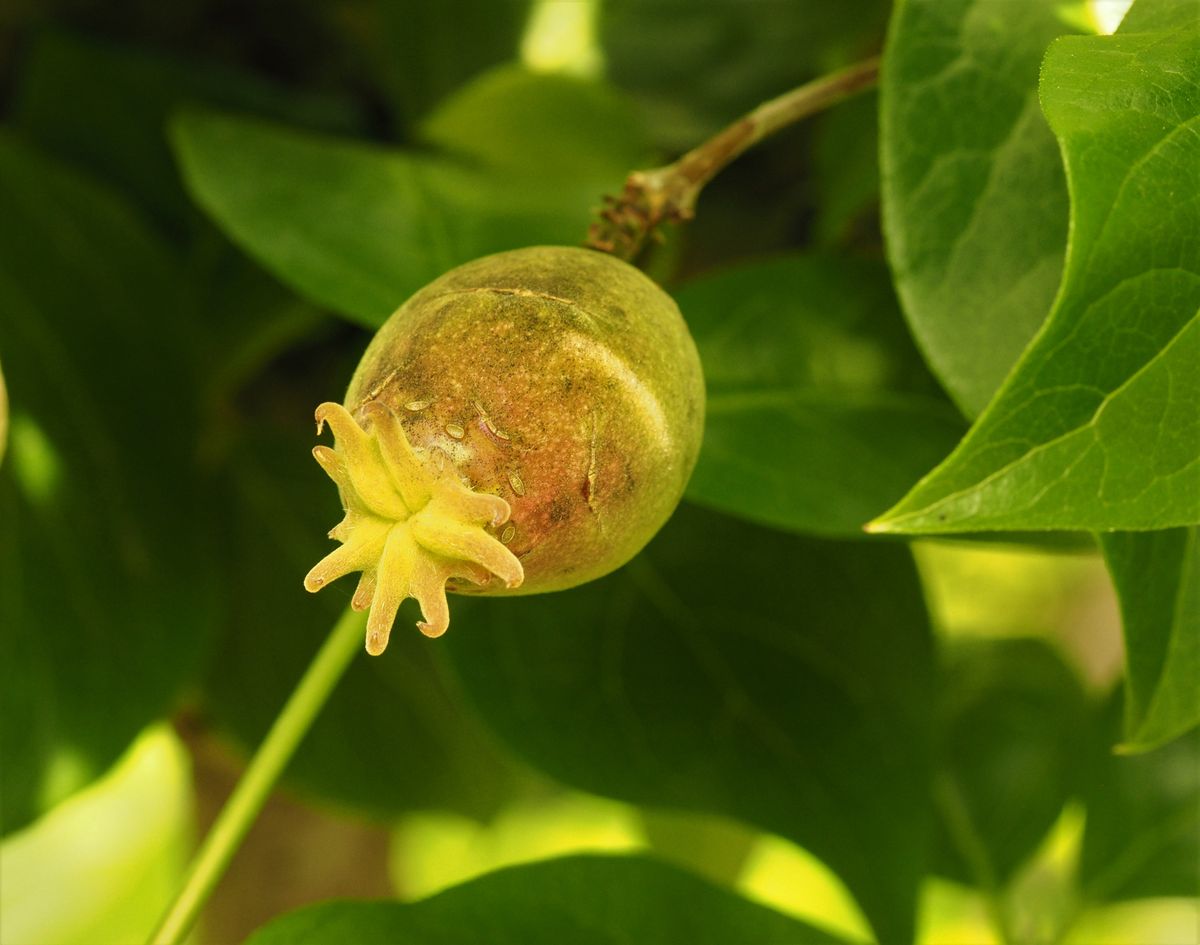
582 900
815 462
1013 738
105 107
422 52
695 67
3 415
1097 427
736 670
107 594
846 167
1142 838
1157 576
392 738
502 121
360 228
818 406
974 200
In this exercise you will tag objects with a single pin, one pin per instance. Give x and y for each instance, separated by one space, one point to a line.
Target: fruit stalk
668 194
248 798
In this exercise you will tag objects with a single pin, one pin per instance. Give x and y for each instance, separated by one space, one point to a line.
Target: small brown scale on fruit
550 403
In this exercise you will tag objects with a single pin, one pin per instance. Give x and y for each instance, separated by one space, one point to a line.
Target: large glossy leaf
1097 427
106 597
1014 725
392 738
1142 838
781 681
1157 575
974 200
584 900
818 408
359 228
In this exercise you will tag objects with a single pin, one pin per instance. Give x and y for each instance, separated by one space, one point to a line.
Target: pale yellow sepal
411 523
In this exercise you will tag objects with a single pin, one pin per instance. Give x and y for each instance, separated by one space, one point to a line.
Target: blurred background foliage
204 207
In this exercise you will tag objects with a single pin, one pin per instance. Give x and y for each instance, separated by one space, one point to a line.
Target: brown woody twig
668 194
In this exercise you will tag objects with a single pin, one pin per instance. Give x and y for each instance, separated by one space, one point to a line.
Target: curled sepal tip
410 524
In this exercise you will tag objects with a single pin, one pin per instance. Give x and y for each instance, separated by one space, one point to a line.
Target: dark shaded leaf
726 56
818 406
108 596
1014 736
392 737
422 52
106 106
846 167
1143 818
737 670
584 900
1157 576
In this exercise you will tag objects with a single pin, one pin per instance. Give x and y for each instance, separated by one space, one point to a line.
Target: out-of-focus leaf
695 67
584 900
422 52
1097 426
845 167
3 415
815 462
1013 739
392 737
120 846
531 124
360 228
974 199
818 406
105 107
1142 837
107 596
737 670
1157 575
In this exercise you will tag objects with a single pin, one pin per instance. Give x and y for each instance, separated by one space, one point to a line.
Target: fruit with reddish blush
525 423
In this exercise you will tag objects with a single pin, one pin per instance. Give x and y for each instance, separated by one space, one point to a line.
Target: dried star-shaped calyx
411 524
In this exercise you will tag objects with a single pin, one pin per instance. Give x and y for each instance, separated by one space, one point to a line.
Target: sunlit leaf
1097 427
974 200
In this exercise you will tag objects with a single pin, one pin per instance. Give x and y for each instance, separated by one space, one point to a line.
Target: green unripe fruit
525 423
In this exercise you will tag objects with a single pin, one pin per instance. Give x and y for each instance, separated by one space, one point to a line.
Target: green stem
248 798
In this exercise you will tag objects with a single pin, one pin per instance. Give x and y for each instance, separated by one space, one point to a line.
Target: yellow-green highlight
101 866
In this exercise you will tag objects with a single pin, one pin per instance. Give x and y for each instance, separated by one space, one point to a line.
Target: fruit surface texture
525 423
